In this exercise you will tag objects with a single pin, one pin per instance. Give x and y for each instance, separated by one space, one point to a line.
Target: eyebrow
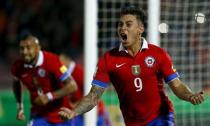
129 21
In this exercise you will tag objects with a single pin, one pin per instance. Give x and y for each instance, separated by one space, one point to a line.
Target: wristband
20 105
50 96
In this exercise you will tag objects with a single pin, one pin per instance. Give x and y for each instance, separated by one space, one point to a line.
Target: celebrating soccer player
47 80
137 70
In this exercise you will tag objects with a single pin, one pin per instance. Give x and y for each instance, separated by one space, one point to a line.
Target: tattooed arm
86 104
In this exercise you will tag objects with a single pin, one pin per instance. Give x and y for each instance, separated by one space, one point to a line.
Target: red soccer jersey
47 75
138 81
77 72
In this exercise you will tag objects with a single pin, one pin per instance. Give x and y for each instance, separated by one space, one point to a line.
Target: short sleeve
57 68
166 67
101 76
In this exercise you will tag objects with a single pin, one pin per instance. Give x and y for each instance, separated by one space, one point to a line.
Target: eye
129 24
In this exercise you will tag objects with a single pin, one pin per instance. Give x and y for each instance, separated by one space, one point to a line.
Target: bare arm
86 104
68 88
17 89
183 92
89 101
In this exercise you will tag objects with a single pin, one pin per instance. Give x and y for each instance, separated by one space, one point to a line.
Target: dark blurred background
57 23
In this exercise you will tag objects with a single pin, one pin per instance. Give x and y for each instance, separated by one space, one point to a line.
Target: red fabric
48 76
78 75
138 81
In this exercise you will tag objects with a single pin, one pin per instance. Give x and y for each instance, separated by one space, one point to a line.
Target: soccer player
137 70
77 72
47 80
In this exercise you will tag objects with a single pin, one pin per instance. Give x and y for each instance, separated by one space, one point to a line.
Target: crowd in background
57 23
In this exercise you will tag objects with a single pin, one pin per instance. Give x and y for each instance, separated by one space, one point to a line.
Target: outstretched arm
183 92
86 104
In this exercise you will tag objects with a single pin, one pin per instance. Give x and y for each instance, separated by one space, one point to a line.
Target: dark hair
131 9
29 36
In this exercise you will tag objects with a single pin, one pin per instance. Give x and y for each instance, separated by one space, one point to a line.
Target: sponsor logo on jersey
63 69
149 61
41 72
119 65
136 70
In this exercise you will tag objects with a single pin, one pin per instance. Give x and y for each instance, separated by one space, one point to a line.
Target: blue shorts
163 120
41 121
78 121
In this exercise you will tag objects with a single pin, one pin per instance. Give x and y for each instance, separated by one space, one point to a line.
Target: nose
123 27
23 51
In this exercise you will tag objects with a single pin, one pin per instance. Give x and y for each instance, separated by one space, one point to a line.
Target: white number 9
138 84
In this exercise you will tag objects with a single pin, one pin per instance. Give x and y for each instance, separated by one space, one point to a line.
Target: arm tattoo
90 100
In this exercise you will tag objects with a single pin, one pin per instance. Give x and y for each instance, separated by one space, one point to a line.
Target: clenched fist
66 113
197 98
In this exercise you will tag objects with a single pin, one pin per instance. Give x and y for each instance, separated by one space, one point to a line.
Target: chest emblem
149 61
136 70
41 72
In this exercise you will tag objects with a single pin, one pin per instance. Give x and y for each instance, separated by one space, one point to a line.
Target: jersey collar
40 59
39 62
144 45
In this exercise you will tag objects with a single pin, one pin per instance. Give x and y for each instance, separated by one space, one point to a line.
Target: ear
38 47
141 28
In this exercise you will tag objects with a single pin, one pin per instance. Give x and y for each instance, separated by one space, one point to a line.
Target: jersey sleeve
167 68
58 69
101 77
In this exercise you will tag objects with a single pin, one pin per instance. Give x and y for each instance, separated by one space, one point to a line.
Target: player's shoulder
113 52
50 56
156 48
17 65
153 46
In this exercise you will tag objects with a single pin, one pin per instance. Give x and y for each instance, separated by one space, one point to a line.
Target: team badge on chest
41 72
149 61
136 70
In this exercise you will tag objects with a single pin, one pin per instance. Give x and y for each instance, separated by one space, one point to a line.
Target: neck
134 49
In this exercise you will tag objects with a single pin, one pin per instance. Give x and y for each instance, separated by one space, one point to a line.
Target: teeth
124 36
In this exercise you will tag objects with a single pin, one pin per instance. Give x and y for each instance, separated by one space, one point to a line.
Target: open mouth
123 36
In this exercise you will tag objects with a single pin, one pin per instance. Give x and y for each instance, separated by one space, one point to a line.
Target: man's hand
66 113
41 100
20 114
197 98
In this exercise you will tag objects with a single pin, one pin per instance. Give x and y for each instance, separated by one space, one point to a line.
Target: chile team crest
149 61
41 72
136 70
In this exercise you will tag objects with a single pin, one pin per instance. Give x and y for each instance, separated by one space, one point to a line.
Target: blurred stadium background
184 29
